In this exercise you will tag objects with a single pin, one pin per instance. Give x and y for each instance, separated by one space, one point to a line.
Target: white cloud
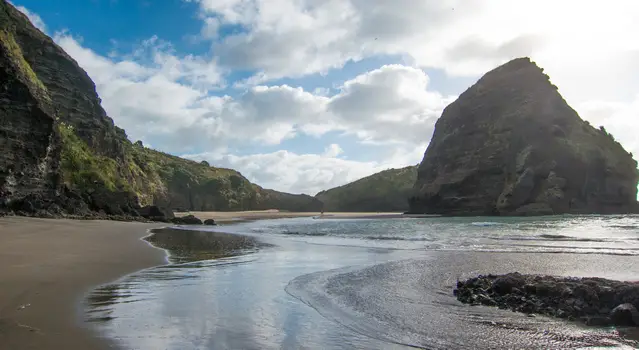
161 102
333 150
578 42
389 104
311 173
295 173
34 18
620 119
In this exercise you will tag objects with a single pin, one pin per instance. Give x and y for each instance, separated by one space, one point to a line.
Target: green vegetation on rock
74 159
15 54
386 191
82 168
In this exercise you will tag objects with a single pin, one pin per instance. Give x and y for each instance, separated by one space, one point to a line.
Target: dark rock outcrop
511 145
186 220
155 213
210 222
593 301
63 156
625 315
386 191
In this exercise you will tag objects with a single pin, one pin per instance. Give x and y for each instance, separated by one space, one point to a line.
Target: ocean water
309 283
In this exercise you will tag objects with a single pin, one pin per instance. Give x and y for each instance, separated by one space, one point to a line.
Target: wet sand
47 266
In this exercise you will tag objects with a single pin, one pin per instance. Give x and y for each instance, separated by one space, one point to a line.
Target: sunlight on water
360 283
574 234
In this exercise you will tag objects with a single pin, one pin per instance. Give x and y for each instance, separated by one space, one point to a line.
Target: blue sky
302 96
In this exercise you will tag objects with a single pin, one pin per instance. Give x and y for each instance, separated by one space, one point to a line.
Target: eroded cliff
61 153
511 145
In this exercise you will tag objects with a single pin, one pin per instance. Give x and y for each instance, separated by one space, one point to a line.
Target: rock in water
511 145
210 222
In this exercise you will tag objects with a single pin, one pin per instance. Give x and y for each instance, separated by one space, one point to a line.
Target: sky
305 95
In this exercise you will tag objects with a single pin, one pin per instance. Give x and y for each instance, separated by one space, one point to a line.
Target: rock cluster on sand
511 145
186 220
593 301
155 213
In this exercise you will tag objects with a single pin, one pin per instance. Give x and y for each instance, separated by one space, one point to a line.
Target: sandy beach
48 265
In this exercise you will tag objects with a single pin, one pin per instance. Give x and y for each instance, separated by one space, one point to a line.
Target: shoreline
49 266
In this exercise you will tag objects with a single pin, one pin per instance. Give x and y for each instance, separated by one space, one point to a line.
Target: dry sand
46 267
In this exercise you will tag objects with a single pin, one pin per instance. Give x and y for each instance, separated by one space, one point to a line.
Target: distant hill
386 191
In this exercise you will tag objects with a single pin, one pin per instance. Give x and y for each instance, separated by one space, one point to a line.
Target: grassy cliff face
386 191
61 142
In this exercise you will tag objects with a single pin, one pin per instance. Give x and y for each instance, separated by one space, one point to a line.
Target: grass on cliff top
179 174
168 165
82 168
15 54
384 181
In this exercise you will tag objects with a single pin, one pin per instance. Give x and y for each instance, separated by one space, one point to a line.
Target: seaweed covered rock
511 145
593 301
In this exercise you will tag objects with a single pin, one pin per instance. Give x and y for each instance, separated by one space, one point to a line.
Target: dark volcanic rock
155 213
511 145
209 222
625 315
593 301
186 220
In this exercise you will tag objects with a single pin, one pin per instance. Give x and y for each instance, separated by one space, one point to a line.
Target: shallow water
372 284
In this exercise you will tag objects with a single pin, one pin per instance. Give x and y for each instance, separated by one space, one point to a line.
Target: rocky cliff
511 145
61 153
386 191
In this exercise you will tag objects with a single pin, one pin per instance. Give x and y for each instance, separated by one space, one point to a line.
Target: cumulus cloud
160 102
391 104
297 173
568 38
